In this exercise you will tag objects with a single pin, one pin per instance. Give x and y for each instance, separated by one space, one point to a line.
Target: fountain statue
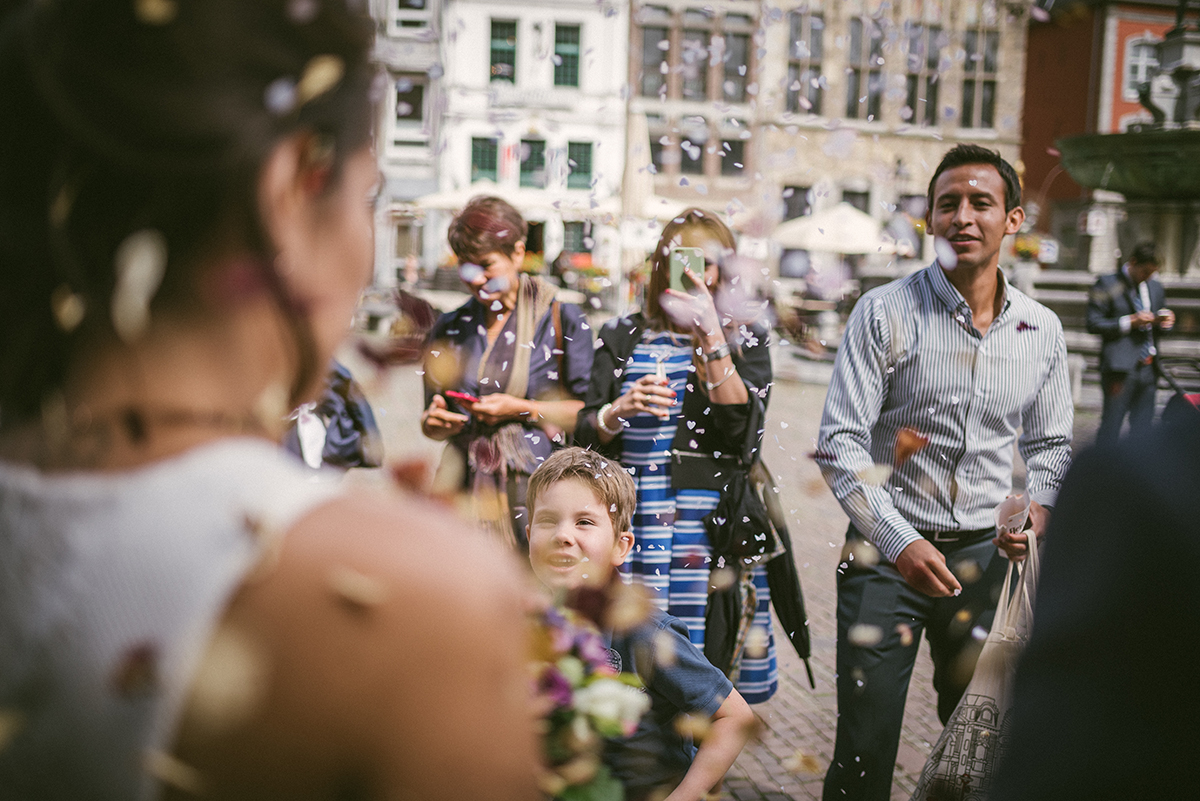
1150 175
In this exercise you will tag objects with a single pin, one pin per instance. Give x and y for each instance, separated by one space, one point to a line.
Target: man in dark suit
1106 704
1126 309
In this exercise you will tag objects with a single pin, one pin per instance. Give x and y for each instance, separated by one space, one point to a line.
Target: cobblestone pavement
790 758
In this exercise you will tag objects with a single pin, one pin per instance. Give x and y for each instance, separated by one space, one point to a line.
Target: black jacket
720 434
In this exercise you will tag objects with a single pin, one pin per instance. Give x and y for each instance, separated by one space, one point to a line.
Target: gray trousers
872 677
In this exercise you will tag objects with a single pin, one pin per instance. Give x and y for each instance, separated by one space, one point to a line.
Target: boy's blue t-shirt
657 754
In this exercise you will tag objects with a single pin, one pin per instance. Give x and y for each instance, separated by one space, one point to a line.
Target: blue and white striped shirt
911 358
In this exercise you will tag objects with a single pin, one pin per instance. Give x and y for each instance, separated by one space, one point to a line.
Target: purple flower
554 685
591 648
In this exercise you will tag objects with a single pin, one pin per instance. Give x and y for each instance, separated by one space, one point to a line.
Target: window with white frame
579 165
805 52
925 45
566 55
410 101
1141 60
409 16
693 54
504 51
485 155
864 76
981 43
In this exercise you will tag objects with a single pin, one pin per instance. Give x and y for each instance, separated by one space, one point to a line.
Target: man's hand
1016 544
924 567
1165 319
1141 320
439 423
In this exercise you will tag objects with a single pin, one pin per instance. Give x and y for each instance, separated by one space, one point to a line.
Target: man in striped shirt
936 375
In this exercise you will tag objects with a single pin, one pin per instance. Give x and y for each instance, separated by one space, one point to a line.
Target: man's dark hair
1144 253
974 154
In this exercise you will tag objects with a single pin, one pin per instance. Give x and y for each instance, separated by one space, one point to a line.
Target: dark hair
660 271
962 154
486 225
607 478
137 115
1144 253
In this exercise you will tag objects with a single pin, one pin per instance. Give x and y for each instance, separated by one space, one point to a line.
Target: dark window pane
916 47
816 30
533 162
573 235
991 51
691 160
797 45
859 200
971 45
410 101
911 101
411 5
737 54
795 202
733 157
874 93
579 162
876 33
504 51
934 48
694 64
931 100
654 61
483 159
566 55
856 40
987 105
656 154
853 79
968 104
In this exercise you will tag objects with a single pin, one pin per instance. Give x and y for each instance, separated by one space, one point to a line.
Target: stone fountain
1146 182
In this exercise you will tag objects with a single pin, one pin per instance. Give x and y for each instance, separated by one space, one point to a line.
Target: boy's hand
731 728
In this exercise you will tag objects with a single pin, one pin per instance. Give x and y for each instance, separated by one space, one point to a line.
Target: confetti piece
174 772
320 75
908 442
802 762
694 726
155 12
864 554
968 571
280 96
68 308
630 607
664 649
721 579
906 634
875 475
230 683
302 11
864 635
136 675
357 589
946 255
271 408
757 642
11 723
140 262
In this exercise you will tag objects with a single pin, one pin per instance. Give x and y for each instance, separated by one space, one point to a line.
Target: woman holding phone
673 390
505 373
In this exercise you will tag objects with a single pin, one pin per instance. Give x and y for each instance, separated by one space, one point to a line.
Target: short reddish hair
486 225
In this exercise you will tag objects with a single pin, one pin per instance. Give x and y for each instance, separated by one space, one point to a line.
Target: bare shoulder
393 640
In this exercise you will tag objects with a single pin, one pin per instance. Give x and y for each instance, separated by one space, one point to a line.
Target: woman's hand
439 423
693 310
648 395
498 407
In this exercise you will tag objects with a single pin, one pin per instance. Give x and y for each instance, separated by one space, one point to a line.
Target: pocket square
1024 326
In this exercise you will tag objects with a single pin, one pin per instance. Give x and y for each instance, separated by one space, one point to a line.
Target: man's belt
957 536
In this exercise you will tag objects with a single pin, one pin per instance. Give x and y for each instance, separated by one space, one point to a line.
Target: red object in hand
460 396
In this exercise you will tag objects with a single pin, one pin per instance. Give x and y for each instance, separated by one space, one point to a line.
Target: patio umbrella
841 229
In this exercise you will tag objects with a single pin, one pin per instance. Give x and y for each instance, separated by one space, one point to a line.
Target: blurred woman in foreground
185 227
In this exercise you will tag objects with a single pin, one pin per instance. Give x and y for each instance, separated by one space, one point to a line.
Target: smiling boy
956 357
580 509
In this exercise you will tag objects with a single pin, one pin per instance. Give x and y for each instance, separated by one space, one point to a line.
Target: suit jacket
1112 297
1106 701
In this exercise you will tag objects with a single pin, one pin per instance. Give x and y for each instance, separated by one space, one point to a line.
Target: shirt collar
953 299
1128 277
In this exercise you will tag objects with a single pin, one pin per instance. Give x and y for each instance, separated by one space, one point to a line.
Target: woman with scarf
676 392
505 373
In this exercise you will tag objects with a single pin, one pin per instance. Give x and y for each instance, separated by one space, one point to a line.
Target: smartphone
460 396
693 259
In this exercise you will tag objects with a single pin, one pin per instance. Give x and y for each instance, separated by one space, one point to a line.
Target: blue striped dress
671 554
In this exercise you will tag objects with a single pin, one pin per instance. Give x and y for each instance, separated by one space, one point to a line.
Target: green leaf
603 787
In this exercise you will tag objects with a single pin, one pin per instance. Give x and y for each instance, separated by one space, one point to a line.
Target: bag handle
1020 601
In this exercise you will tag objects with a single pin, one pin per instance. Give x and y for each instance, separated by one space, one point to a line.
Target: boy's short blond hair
608 479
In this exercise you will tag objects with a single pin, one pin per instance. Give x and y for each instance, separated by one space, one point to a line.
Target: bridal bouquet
586 700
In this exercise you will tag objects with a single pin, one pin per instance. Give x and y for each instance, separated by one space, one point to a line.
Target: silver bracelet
717 353
728 373
600 415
